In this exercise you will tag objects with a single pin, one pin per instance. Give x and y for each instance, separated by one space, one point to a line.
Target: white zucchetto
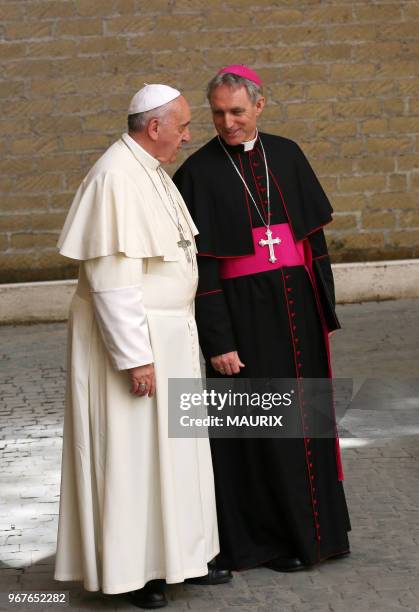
150 97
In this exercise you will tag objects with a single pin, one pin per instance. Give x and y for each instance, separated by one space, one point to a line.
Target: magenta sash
288 253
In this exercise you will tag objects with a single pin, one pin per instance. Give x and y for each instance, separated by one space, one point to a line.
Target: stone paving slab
378 340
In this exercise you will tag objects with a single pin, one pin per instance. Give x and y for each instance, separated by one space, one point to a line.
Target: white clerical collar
140 153
249 144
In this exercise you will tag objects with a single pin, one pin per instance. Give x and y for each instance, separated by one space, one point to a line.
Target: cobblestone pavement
379 340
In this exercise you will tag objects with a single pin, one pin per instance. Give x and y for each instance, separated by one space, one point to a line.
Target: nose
228 121
186 135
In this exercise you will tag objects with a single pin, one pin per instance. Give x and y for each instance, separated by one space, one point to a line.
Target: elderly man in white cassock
137 507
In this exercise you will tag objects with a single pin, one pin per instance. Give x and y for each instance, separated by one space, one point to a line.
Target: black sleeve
183 181
195 194
324 278
212 315
211 311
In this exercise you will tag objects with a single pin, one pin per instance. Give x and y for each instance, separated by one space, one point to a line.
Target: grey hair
235 81
139 121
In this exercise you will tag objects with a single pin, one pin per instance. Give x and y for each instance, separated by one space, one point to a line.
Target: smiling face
234 114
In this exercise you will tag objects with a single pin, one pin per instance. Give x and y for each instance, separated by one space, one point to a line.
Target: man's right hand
227 363
143 380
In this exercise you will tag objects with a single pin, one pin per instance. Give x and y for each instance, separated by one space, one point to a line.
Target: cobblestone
381 480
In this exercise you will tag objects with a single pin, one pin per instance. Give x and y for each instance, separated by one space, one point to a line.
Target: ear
153 129
260 104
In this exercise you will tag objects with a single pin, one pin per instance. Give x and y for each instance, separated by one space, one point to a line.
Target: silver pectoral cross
184 244
270 244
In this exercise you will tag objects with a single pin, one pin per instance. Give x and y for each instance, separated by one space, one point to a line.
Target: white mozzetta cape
118 210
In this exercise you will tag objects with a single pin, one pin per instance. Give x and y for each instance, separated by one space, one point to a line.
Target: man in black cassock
264 314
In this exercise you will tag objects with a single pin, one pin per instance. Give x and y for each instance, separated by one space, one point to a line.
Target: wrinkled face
234 114
173 131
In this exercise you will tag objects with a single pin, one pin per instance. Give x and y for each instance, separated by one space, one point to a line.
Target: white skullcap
152 96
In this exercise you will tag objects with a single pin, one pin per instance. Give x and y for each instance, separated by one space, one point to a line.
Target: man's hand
143 380
228 363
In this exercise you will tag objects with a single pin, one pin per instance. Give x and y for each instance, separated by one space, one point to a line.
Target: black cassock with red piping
275 497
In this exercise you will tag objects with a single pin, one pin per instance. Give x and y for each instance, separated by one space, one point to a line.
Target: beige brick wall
341 78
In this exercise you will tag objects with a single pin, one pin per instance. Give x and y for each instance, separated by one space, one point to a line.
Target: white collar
139 152
249 144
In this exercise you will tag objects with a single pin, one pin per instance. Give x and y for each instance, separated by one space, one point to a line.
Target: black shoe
214 576
290 564
150 597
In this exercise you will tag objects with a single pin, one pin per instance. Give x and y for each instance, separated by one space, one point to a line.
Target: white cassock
135 504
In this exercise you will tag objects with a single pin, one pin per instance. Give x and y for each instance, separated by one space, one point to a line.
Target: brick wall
341 79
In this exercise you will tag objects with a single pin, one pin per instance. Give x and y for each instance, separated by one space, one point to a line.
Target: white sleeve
116 288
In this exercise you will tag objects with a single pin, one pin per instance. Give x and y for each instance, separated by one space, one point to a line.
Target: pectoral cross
270 244
184 244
